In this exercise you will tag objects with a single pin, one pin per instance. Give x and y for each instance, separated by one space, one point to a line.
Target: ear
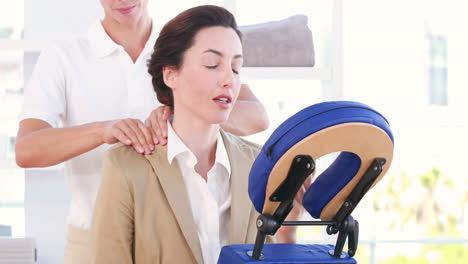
170 74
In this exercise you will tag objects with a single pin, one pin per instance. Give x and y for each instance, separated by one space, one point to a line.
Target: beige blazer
143 214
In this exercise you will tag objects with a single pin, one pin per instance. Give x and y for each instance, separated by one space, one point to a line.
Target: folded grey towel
286 42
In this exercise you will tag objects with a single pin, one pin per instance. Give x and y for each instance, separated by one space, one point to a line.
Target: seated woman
188 199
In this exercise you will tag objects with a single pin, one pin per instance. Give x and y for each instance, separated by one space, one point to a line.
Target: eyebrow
238 56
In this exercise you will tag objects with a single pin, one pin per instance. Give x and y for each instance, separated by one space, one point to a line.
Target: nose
227 77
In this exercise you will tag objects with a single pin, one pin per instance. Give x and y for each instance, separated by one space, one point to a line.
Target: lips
125 10
223 101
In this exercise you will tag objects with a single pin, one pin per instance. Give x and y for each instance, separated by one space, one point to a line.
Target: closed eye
216 66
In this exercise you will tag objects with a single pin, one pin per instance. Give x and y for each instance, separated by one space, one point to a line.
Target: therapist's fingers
156 130
152 125
123 127
149 125
167 112
162 121
140 142
128 128
112 134
120 136
129 132
158 121
148 135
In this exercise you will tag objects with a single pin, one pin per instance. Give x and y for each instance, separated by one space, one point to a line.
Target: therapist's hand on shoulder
130 132
157 124
142 136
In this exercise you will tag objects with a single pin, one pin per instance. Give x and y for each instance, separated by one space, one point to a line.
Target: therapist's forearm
248 115
50 146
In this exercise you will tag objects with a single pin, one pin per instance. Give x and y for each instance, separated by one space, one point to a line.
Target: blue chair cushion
282 254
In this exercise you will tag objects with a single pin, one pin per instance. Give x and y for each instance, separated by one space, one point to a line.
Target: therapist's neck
200 137
131 37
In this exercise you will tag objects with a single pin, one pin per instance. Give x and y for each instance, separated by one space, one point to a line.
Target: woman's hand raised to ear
157 124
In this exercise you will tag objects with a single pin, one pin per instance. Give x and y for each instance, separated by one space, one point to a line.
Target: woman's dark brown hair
177 36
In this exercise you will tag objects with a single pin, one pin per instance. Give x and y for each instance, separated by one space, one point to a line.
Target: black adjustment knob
266 224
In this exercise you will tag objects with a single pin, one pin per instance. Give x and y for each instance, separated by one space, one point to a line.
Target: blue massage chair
364 140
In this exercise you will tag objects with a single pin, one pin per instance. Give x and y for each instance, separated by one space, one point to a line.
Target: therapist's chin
127 19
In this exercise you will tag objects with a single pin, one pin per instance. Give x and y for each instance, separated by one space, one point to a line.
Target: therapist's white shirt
83 80
211 200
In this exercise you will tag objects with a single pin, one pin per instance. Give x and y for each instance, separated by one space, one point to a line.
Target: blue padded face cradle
330 182
303 124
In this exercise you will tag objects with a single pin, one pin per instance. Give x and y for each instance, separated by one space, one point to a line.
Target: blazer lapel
173 185
240 201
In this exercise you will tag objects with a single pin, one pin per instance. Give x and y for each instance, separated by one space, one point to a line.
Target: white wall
58 19
54 20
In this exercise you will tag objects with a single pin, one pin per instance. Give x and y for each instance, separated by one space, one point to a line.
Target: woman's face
125 12
207 84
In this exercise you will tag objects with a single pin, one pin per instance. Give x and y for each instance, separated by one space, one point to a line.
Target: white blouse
211 200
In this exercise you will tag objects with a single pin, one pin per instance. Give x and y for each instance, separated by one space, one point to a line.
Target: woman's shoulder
121 152
127 161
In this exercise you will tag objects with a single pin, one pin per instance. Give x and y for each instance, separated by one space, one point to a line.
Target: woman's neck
200 138
132 37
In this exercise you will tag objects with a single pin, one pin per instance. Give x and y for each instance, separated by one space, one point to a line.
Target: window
437 70
403 58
